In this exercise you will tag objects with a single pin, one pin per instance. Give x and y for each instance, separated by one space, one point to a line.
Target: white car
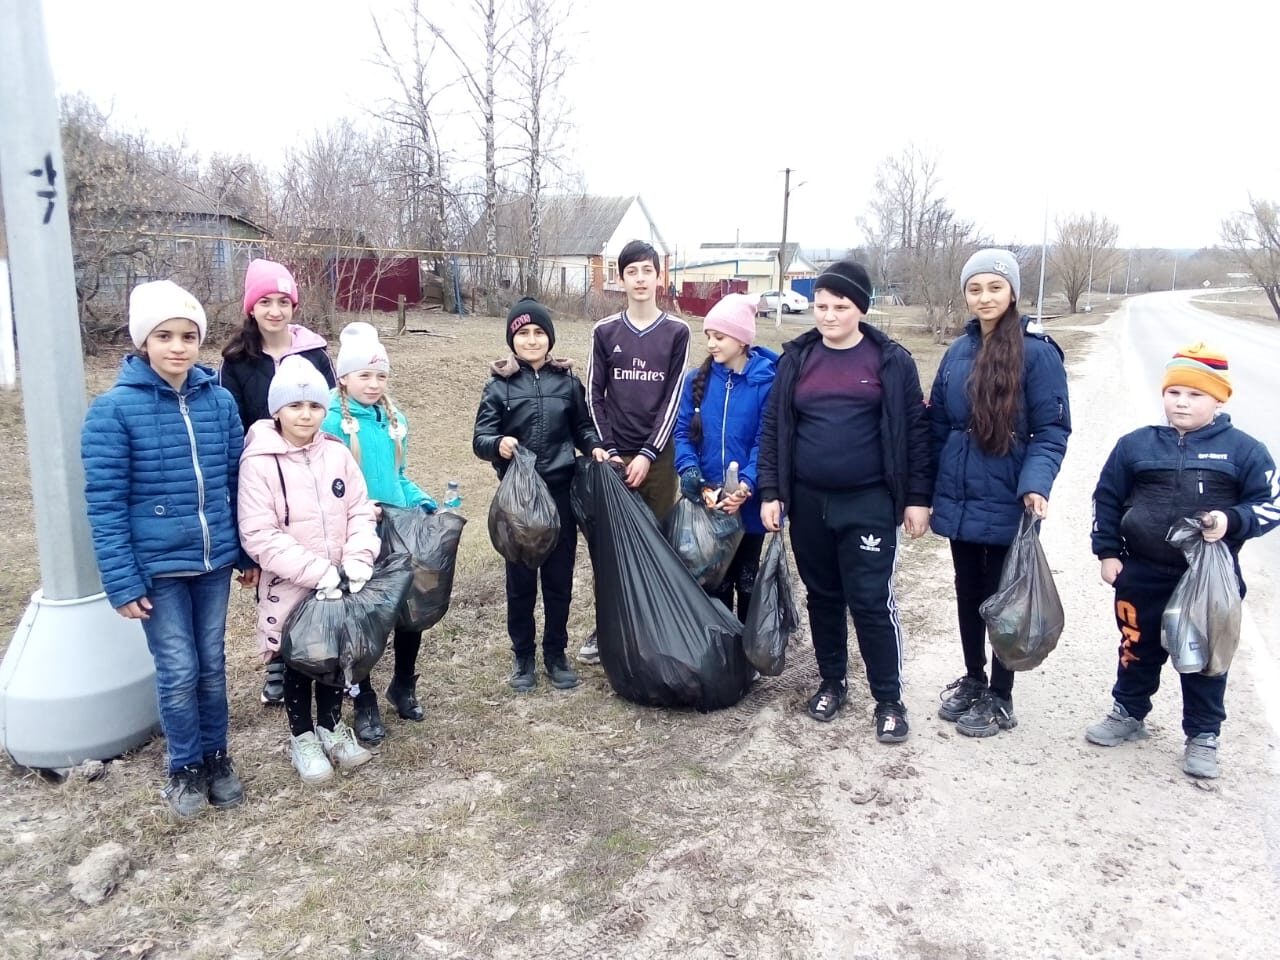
792 302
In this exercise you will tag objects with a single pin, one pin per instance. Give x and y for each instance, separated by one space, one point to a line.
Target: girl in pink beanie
721 407
250 360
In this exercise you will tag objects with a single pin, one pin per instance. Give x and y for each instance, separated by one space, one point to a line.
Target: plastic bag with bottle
1200 626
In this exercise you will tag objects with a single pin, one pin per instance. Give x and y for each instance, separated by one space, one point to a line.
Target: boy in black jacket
537 401
1197 466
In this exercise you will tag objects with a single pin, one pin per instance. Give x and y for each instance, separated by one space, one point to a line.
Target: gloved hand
691 484
327 588
358 574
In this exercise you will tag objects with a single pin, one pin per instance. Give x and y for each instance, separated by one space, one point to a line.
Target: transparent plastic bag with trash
1024 616
524 523
1200 626
772 616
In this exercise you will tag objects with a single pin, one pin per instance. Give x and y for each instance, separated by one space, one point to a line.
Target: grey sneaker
590 652
989 715
1115 728
1201 756
187 790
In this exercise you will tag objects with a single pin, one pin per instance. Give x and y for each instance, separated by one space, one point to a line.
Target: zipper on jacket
195 463
538 420
324 527
1177 481
724 420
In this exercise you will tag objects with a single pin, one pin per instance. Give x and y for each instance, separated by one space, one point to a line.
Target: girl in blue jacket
721 407
161 453
363 416
999 418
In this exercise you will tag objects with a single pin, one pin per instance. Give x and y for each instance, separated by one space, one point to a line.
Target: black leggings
405 644
297 703
978 567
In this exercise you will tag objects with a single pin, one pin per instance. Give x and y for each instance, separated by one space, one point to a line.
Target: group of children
281 472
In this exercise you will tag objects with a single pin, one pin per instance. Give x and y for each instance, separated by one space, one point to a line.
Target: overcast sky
1156 115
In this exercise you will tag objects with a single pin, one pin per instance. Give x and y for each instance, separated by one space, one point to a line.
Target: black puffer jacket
546 410
904 428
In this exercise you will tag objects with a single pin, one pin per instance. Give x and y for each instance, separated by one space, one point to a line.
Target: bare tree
538 60
1085 248
1253 237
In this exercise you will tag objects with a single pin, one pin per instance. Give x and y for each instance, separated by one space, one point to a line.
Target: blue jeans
185 634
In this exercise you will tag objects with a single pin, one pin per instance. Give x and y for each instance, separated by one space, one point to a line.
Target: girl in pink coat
304 515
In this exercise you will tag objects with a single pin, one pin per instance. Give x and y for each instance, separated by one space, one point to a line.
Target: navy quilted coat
160 478
977 497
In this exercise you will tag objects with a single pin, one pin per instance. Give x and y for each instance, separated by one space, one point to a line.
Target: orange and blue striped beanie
1199 367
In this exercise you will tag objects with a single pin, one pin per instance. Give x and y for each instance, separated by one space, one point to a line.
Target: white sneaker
590 652
342 747
309 759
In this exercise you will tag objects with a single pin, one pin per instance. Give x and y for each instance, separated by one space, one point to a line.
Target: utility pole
1088 297
1174 285
782 249
1044 255
1128 267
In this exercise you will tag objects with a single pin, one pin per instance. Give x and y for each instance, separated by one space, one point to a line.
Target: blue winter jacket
385 477
160 478
732 410
977 497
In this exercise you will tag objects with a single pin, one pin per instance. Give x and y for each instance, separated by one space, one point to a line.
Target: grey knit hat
296 380
993 260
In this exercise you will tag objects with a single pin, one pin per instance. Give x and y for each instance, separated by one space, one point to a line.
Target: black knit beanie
528 311
847 278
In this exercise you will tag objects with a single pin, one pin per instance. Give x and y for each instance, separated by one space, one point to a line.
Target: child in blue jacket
721 407
161 453
1199 465
362 415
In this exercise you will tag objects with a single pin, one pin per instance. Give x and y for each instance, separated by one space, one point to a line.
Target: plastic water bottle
731 482
452 496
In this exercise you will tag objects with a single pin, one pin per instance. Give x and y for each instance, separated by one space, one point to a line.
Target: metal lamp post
77 681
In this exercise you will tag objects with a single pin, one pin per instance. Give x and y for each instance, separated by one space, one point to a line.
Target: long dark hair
995 385
699 388
245 343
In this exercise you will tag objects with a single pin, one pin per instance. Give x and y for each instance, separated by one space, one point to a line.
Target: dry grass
1250 304
565 824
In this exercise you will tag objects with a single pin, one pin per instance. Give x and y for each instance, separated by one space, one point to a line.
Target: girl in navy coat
1000 419
721 408
161 454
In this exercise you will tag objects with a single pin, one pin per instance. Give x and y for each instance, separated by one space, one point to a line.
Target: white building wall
633 226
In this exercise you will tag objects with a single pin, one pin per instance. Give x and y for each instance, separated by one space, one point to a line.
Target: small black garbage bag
704 539
772 617
663 641
1024 616
524 523
1200 626
431 540
337 642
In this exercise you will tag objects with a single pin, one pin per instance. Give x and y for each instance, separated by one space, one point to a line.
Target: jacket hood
264 440
1221 423
761 364
874 334
135 371
304 340
508 367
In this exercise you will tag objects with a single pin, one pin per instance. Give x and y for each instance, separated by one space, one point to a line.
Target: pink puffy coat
301 510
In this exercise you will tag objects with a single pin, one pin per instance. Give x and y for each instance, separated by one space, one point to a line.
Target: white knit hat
296 380
151 304
360 349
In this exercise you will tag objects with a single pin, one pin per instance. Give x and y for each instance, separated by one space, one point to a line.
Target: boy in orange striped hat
1199 465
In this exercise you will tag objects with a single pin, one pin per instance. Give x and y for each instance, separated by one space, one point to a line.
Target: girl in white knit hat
363 415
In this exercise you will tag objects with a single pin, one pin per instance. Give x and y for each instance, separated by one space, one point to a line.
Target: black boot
524 674
563 676
225 789
368 725
404 697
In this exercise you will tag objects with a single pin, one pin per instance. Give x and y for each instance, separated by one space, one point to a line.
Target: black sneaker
891 722
987 717
368 723
524 673
826 703
959 695
273 686
187 790
563 676
225 788
404 697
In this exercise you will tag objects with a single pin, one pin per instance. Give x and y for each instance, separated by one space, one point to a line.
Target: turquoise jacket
387 482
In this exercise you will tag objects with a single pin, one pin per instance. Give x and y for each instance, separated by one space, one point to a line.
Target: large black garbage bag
431 540
524 523
663 641
704 539
1024 616
772 617
1200 626
337 642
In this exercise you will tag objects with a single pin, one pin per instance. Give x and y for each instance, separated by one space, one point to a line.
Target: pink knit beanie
734 315
265 277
